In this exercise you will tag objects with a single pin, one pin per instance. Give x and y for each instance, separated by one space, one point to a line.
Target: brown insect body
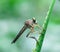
28 24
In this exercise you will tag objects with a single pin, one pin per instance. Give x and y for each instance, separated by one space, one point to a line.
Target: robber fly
28 24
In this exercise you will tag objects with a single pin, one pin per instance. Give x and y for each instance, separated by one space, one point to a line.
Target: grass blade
41 37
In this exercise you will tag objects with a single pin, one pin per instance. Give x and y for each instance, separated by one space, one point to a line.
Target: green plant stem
41 37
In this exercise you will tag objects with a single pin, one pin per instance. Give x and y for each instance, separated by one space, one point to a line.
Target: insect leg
32 37
28 34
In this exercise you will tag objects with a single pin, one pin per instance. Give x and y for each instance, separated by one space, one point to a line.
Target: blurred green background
13 13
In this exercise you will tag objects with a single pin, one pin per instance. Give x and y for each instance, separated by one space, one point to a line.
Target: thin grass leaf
41 37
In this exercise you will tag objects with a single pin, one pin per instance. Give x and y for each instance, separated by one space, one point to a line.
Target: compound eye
34 21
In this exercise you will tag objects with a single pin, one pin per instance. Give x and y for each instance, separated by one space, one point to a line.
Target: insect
31 23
